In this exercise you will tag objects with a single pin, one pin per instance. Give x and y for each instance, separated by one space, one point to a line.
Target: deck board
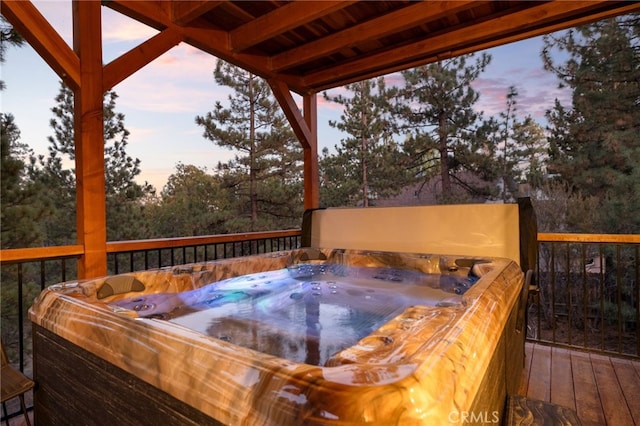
562 392
613 403
603 390
629 378
540 388
587 398
524 383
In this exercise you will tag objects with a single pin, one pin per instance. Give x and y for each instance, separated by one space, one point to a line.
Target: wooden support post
311 176
89 140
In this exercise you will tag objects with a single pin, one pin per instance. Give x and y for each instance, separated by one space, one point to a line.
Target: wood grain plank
614 405
540 368
587 397
562 391
629 378
526 372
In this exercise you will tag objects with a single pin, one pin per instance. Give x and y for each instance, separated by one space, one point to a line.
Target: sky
160 102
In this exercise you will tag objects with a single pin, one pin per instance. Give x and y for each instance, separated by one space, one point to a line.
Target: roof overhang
316 45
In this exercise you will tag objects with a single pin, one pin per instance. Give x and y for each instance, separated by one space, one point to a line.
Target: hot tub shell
452 364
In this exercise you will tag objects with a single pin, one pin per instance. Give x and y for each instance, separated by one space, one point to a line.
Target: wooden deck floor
603 390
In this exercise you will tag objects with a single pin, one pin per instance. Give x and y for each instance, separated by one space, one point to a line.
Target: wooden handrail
39 253
160 243
44 253
589 238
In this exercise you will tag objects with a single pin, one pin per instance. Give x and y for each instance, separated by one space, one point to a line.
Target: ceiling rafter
311 46
183 12
215 42
199 33
538 18
283 19
155 14
379 27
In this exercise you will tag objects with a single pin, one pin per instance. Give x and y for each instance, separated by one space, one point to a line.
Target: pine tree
22 207
21 201
508 119
8 37
594 143
446 136
264 180
123 195
523 145
531 143
368 164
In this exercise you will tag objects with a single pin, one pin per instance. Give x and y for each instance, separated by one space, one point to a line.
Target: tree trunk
253 195
444 157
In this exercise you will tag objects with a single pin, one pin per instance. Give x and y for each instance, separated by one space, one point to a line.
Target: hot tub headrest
118 284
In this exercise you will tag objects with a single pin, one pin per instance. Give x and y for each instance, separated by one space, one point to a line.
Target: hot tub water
306 312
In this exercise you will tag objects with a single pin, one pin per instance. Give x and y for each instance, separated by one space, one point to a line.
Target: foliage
561 209
8 37
21 201
531 152
124 195
368 164
594 143
263 182
522 151
191 203
446 136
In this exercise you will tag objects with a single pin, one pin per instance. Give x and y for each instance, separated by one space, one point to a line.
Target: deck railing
26 272
588 295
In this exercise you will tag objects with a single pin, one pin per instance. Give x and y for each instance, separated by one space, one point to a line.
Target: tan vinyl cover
469 229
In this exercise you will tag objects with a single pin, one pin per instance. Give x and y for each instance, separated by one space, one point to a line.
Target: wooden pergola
297 46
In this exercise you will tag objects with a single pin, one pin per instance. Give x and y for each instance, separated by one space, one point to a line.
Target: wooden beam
156 14
539 18
305 128
183 12
201 35
125 65
281 20
481 46
89 140
292 112
44 39
311 169
399 20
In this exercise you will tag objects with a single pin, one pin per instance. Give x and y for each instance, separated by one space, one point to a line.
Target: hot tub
309 336
407 315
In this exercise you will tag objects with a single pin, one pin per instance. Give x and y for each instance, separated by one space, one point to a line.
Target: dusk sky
161 101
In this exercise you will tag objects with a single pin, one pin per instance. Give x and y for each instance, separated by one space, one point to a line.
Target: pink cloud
537 90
